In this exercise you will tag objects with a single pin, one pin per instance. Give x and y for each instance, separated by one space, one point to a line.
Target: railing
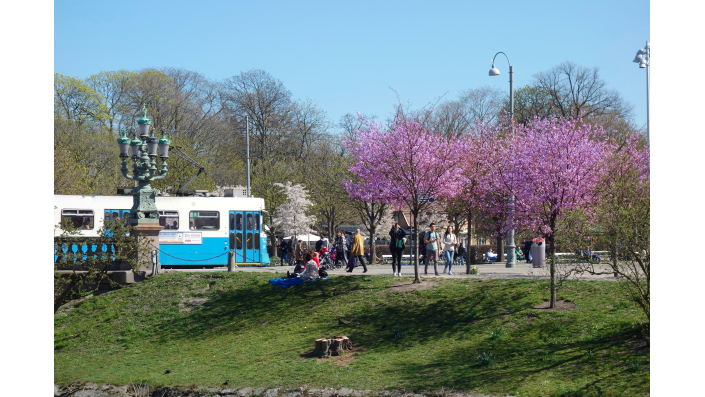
77 250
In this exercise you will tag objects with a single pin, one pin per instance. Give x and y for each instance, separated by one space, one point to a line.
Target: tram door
235 235
252 240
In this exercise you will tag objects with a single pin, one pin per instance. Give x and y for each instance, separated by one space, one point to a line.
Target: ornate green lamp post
144 170
143 214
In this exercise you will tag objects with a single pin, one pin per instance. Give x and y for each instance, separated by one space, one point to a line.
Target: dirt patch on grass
189 303
410 286
561 305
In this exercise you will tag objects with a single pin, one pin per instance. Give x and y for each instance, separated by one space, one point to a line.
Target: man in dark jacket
320 243
290 250
283 255
527 250
396 246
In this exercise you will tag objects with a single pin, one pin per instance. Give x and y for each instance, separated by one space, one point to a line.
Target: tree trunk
615 252
415 235
553 272
467 248
373 246
500 250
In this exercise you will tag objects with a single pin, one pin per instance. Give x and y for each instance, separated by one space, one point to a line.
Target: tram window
82 219
238 221
238 240
169 219
249 241
256 221
232 221
204 220
256 241
250 222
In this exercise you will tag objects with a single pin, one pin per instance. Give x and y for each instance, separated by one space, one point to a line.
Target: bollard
154 262
231 260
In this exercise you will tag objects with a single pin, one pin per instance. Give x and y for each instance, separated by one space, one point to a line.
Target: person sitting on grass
311 271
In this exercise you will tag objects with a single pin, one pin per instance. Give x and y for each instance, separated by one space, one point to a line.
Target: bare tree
457 118
267 102
580 91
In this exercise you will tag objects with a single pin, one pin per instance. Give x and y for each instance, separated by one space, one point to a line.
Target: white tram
197 230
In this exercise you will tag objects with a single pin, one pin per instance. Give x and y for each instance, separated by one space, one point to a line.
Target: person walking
290 248
397 246
449 241
461 255
283 255
341 248
431 239
358 252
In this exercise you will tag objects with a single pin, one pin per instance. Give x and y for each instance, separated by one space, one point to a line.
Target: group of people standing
431 245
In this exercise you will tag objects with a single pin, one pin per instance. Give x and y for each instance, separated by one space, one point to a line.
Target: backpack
323 273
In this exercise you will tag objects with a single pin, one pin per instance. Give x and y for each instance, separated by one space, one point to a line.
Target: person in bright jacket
358 252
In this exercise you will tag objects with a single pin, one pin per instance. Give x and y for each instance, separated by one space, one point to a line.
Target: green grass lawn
257 335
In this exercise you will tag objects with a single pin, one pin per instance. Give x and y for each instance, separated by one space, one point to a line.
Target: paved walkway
492 270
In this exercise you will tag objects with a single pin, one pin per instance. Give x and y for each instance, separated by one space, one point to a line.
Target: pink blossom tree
551 167
401 165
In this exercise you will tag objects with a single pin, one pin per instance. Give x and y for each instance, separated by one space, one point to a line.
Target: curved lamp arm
495 56
125 171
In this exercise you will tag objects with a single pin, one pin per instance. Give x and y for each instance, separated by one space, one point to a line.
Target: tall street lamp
643 58
143 214
511 255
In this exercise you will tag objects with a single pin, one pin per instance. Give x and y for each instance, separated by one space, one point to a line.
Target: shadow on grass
383 321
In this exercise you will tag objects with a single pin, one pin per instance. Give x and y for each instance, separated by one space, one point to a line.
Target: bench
572 255
388 258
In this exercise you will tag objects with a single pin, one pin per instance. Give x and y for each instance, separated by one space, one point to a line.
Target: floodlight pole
247 154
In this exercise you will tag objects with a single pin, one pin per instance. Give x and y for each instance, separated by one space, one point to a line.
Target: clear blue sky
345 55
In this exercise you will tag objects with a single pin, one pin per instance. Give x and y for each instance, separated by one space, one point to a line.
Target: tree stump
326 347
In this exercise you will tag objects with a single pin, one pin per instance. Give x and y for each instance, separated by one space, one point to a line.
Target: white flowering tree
292 217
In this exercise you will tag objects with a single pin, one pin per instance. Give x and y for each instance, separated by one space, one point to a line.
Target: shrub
486 358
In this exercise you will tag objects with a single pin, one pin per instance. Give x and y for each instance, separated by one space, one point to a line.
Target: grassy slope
254 334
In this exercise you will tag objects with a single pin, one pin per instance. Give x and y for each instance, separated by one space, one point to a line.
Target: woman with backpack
397 246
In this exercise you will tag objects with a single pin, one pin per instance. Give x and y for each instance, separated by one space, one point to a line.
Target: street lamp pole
643 58
511 254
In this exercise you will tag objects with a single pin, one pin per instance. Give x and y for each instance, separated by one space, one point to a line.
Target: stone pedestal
150 233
